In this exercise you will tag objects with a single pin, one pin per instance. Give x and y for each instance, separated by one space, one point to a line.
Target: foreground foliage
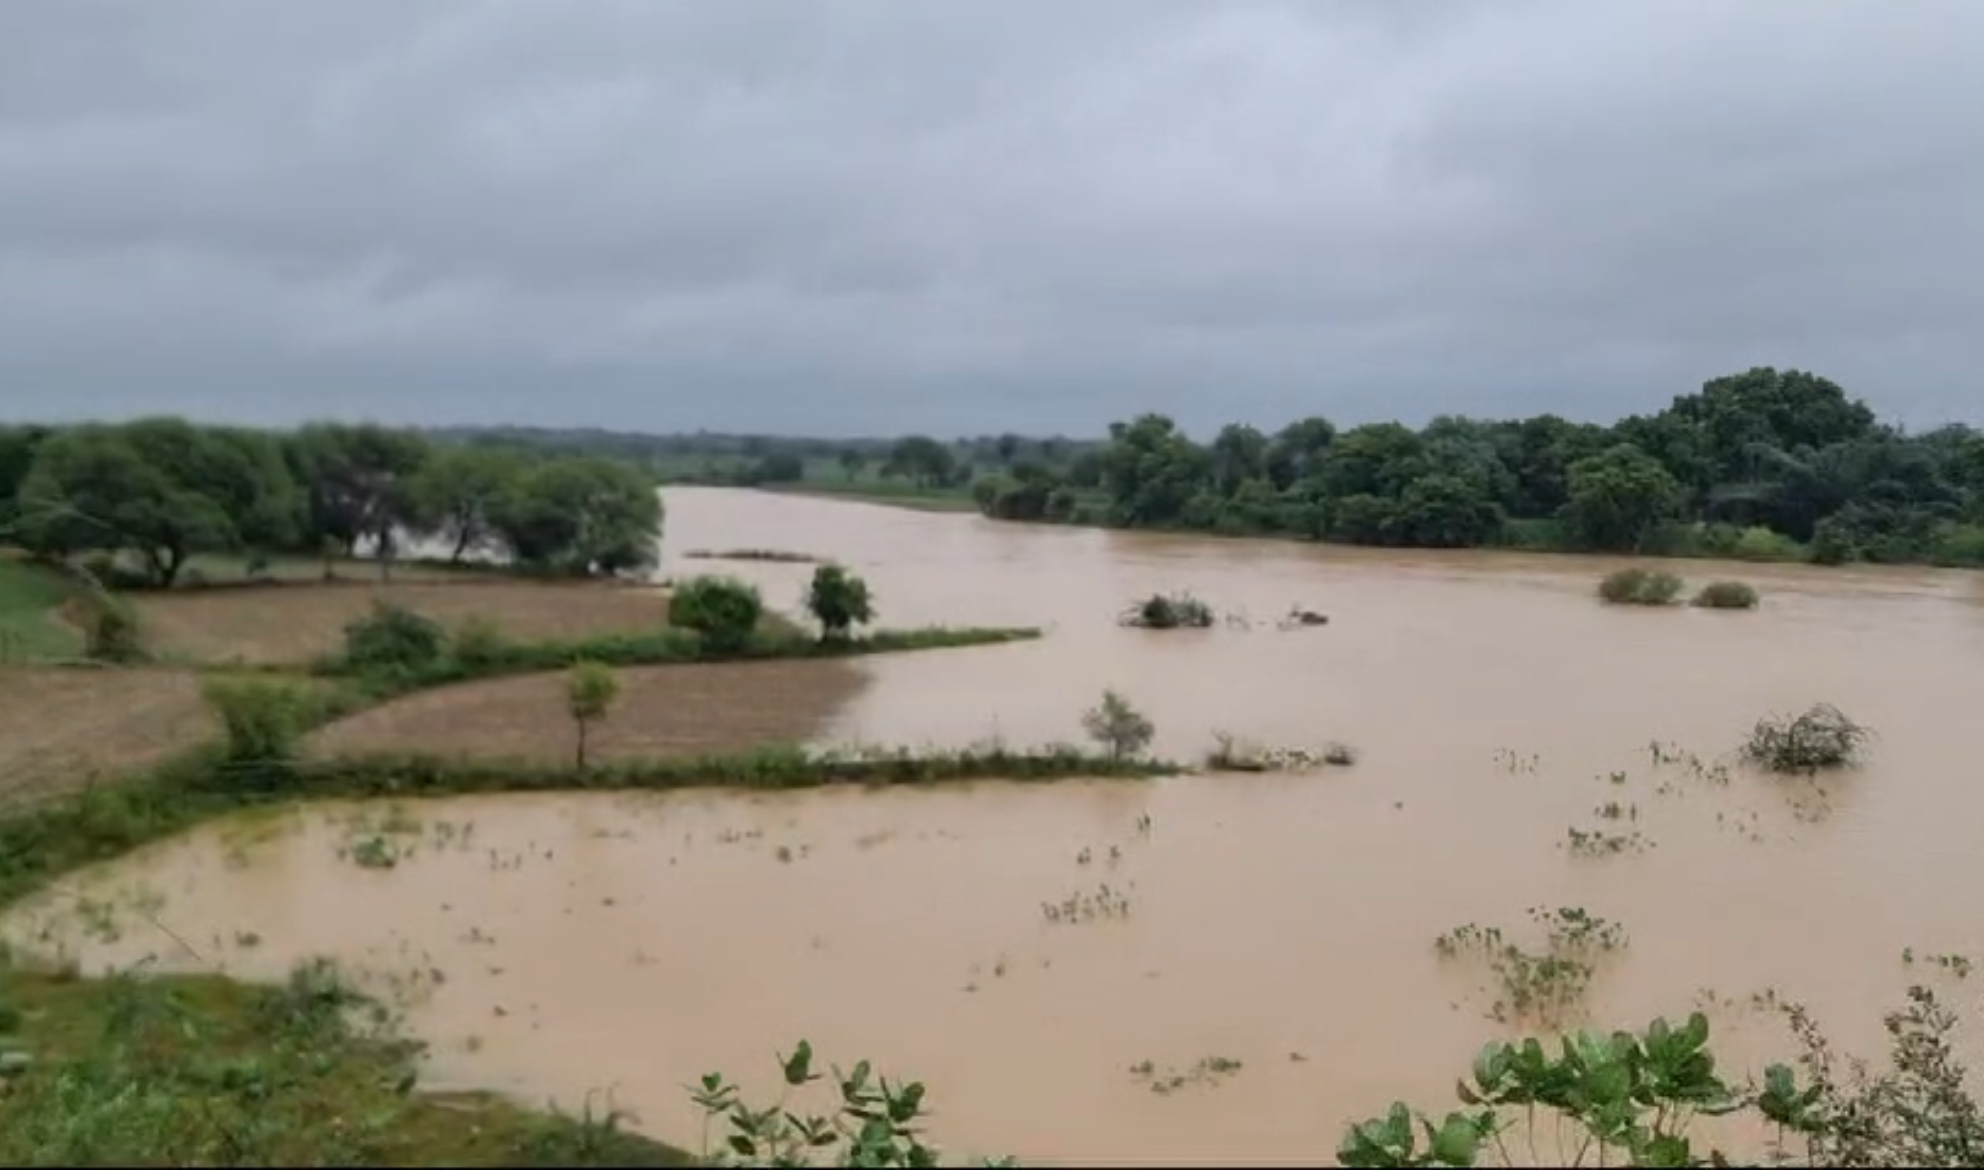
1631 1099
133 1070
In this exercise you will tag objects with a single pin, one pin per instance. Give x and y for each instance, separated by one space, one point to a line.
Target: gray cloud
878 216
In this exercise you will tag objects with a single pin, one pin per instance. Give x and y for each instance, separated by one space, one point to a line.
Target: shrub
479 643
1173 611
1727 595
1757 543
1822 737
589 693
1120 728
840 600
393 637
111 633
722 610
262 723
1639 587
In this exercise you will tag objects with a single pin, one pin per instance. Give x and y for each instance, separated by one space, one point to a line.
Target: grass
1546 987
774 640
31 625
662 710
296 624
1162 611
1637 586
1727 595
201 1070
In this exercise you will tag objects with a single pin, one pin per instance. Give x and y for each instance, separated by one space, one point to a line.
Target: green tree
456 494
590 690
92 488
356 482
723 611
1617 497
922 460
840 600
580 514
17 450
851 463
1445 511
1120 728
1152 472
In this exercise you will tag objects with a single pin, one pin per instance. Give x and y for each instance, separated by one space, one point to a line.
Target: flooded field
1287 923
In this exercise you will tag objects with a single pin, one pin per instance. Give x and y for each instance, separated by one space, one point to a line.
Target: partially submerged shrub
393 637
1823 737
1121 729
722 610
1640 587
840 601
1169 611
1727 595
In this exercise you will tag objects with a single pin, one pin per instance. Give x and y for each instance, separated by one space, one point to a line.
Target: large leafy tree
357 481
1617 497
456 493
580 514
95 487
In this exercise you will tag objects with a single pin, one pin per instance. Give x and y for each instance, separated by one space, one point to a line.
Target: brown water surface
1286 922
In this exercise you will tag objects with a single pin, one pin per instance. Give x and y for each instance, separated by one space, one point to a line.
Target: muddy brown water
623 943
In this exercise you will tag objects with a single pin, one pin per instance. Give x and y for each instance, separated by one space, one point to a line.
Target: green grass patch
490 655
200 1070
31 629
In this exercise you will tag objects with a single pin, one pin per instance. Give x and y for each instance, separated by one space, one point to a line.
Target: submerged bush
1727 595
1639 587
1822 737
393 637
722 610
1162 611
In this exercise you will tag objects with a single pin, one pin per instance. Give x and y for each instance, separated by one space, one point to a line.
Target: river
1285 922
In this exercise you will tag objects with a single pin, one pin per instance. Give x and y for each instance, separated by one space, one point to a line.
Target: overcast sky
836 218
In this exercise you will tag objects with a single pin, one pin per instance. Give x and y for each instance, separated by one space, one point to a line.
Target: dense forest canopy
1765 464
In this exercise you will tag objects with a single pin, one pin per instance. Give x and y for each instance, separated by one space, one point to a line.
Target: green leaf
1457 1142
743 1145
798 1069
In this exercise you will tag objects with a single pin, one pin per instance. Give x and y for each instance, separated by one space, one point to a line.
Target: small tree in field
840 600
589 693
723 610
1121 729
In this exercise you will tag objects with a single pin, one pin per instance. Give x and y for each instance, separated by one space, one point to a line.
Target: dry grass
297 623
662 710
62 728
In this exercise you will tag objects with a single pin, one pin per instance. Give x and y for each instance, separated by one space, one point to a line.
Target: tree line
1764 464
160 491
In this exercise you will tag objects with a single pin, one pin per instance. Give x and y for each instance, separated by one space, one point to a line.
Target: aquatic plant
1546 987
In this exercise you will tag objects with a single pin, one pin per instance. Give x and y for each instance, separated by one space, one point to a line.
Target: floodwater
631 943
